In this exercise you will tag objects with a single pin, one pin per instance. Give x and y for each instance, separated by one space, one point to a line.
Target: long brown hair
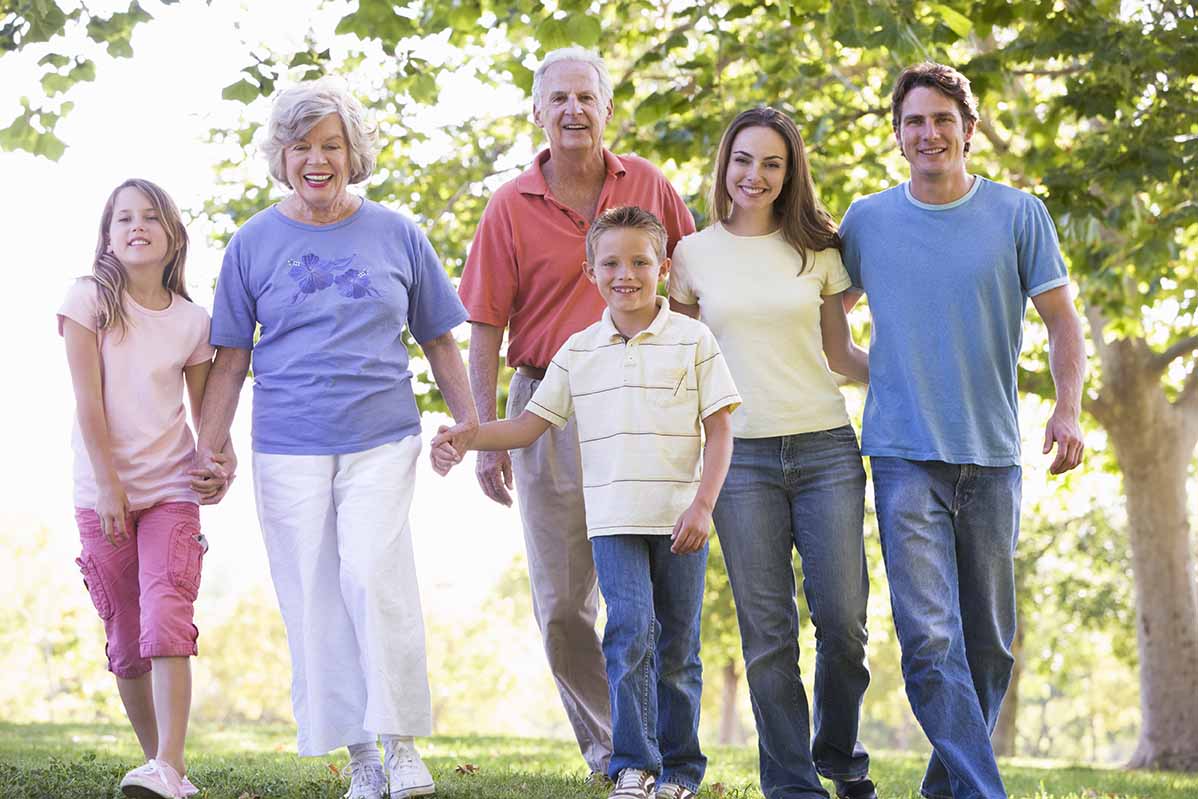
805 224
109 273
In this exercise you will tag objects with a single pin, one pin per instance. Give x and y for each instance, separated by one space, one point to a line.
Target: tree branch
1048 73
995 138
1182 348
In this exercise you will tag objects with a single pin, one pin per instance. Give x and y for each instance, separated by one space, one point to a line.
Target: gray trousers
561 571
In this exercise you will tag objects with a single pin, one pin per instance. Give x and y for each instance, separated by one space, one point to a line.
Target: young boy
640 379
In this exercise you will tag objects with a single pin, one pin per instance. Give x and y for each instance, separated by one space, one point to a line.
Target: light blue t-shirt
948 287
330 367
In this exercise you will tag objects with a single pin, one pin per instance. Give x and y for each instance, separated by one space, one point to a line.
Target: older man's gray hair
577 54
297 110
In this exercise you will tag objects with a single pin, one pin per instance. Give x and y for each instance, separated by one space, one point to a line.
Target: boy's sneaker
366 781
406 773
672 790
855 789
633 783
154 780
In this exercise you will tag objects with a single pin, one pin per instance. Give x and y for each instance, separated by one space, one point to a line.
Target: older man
525 273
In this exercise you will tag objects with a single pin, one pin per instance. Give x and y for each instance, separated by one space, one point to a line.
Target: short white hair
297 110
577 54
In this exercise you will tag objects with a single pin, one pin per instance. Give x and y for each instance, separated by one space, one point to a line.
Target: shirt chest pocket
671 387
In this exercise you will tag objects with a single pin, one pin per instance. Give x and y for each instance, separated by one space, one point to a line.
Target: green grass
76 761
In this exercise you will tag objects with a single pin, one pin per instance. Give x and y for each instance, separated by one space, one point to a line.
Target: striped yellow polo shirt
640 405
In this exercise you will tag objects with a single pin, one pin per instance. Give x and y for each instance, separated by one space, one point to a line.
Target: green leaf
552 34
242 91
424 89
583 29
56 60
954 19
653 108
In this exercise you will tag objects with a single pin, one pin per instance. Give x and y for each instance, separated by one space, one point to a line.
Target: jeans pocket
842 435
94 584
188 546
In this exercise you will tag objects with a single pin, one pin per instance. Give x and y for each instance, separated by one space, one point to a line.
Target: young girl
133 339
767 278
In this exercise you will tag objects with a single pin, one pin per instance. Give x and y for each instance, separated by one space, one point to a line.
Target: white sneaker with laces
366 781
407 775
154 780
672 790
633 783
189 790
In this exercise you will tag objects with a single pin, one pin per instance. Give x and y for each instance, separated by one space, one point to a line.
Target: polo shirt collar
608 328
532 180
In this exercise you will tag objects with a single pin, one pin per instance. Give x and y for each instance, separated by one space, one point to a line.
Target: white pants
340 551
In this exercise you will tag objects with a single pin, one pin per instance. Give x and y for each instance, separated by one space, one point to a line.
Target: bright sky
145 117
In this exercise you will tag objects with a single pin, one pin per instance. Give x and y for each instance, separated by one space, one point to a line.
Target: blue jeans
651 645
948 539
804 492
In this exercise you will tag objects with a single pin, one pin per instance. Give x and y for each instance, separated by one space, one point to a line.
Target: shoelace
401 758
372 778
629 778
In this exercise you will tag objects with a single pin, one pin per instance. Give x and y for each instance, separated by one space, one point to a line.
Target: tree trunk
1005 729
1166 606
1154 439
729 722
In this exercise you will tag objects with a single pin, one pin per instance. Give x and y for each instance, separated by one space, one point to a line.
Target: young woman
767 279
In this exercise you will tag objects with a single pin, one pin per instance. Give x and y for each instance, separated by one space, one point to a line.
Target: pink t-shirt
142 377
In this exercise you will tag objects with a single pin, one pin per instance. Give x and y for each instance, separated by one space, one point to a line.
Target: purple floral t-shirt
330 365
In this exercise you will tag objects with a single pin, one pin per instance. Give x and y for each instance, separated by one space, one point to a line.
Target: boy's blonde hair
628 216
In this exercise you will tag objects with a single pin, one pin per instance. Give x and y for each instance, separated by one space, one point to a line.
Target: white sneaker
189 790
154 780
672 790
633 783
366 782
406 773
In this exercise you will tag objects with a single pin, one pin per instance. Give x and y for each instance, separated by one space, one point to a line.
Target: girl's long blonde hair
109 273
805 224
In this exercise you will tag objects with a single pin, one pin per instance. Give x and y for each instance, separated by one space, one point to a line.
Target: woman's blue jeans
805 492
651 645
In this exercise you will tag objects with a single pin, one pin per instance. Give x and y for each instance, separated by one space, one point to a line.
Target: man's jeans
651 645
804 492
948 539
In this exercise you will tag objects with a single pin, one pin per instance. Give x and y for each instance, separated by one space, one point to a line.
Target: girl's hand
213 475
112 506
691 530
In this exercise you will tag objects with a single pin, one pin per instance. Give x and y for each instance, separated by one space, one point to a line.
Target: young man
949 260
640 381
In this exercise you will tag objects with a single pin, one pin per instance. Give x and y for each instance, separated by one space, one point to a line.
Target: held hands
449 445
213 475
691 529
1063 429
112 506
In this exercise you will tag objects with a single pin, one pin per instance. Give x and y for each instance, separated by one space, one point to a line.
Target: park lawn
77 761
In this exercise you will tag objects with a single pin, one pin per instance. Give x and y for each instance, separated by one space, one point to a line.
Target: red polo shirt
524 270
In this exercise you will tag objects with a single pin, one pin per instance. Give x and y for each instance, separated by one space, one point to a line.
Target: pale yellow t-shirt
766 318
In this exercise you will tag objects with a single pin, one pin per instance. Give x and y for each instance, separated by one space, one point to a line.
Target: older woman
332 279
